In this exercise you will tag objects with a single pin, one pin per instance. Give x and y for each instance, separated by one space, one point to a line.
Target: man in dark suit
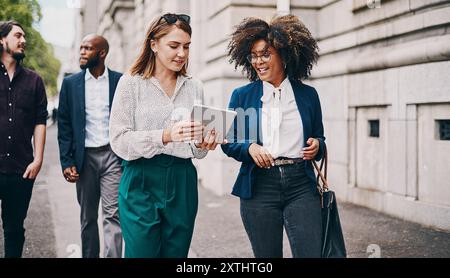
86 157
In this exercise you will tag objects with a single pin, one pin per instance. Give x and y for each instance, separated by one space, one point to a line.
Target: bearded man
85 154
23 116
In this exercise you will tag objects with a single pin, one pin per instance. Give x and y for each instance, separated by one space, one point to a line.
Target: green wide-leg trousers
158 202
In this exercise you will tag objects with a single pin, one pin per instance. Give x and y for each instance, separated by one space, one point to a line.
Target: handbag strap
322 172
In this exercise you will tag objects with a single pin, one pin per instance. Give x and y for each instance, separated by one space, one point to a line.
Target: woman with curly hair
276 182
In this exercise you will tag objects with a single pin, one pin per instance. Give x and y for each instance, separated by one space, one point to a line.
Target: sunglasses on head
172 18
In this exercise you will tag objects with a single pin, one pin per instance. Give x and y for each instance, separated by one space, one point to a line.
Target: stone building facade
383 78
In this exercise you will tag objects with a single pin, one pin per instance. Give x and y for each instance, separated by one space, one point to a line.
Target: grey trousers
100 178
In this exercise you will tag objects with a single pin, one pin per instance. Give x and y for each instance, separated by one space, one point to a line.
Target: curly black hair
287 34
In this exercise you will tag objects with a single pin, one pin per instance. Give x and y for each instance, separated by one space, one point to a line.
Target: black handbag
333 244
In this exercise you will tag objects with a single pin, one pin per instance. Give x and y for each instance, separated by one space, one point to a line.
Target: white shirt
97 109
282 127
141 111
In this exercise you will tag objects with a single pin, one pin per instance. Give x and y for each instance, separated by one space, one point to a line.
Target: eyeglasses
172 18
265 57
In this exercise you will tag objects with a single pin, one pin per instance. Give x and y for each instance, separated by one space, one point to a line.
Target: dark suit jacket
249 96
72 117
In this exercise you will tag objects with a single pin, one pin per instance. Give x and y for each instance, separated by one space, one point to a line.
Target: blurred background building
383 78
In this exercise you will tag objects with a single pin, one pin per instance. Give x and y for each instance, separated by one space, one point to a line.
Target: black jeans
15 196
283 196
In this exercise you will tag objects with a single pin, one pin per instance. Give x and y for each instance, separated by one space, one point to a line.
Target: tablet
214 118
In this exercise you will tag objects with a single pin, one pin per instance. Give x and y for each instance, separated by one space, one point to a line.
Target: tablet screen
214 118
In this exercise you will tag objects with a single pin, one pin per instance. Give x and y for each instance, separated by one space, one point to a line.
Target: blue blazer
72 117
249 96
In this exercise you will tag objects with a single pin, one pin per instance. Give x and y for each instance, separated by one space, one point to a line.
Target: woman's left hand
209 142
310 152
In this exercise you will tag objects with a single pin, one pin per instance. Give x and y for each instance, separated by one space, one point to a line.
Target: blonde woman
150 129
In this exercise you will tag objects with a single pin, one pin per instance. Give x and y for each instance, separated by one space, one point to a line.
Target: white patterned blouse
140 112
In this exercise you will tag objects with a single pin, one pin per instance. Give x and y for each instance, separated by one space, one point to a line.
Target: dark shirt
23 105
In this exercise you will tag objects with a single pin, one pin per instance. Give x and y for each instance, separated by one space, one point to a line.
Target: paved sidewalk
219 233
53 228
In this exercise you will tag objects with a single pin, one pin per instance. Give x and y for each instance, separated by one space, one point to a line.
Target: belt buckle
281 162
289 161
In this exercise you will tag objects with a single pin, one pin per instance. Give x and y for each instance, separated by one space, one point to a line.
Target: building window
374 128
443 128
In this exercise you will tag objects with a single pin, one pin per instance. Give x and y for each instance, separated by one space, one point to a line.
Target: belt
99 149
287 161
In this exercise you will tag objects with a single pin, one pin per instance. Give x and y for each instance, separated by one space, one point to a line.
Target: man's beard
91 63
18 56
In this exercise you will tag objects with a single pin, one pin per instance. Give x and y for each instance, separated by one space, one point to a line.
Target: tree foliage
39 53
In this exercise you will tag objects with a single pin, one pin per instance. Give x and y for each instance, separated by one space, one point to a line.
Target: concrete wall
391 64
389 61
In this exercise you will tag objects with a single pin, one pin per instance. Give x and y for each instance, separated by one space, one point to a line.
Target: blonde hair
145 64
